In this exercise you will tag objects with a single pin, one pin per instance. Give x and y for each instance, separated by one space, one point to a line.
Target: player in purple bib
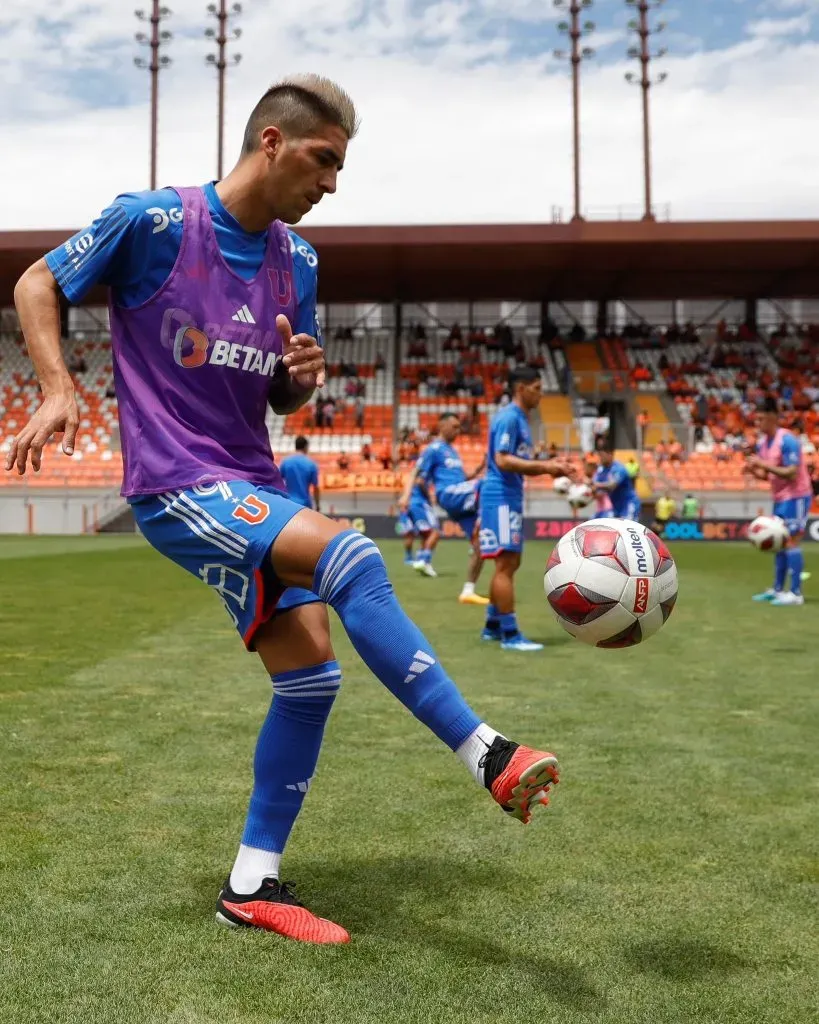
781 461
206 285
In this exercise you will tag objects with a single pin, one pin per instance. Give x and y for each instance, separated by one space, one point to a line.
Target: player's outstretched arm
38 309
507 463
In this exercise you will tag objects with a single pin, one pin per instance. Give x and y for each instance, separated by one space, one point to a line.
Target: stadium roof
587 260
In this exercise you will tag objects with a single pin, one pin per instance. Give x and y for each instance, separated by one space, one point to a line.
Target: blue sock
287 751
780 570
492 619
425 556
509 625
796 563
351 577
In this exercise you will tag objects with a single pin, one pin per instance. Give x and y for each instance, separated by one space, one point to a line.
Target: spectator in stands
676 452
351 387
77 364
380 361
385 456
722 452
319 414
348 370
329 411
642 424
359 411
660 453
366 452
552 452
343 462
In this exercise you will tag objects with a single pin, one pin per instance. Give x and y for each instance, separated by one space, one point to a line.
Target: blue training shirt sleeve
791 451
508 434
305 272
91 256
116 249
618 474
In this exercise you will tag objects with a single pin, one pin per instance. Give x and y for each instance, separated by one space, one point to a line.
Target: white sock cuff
252 867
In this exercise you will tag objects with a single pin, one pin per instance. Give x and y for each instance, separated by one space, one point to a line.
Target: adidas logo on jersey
244 316
421 661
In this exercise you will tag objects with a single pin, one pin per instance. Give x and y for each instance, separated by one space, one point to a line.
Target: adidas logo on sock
420 663
243 315
300 787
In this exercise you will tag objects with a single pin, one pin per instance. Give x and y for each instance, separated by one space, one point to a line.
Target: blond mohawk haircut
299 105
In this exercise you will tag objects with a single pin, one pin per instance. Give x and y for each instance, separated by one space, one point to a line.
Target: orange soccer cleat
519 777
274 908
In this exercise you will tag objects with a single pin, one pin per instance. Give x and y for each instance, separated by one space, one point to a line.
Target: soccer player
602 502
781 461
405 529
509 460
206 285
457 494
612 479
301 476
418 516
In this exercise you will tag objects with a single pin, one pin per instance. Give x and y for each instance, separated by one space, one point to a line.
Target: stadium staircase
586 366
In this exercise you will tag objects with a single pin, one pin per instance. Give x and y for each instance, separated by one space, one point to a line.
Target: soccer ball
768 533
562 485
611 582
580 495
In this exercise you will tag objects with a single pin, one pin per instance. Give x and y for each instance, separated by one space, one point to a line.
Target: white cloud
780 26
463 119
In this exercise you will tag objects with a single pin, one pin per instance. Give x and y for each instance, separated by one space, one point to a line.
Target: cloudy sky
466 111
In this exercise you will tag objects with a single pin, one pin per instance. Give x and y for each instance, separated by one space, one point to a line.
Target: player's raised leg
296 651
346 570
426 523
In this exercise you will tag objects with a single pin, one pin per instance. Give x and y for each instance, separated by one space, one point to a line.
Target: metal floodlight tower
222 35
157 38
576 53
642 53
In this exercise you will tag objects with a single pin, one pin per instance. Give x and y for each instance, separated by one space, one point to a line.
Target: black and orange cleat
519 777
274 908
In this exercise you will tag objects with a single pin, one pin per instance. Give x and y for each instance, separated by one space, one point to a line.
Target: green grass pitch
673 879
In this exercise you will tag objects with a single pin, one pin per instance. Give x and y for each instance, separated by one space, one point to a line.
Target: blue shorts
795 513
404 526
629 510
460 502
501 528
422 516
222 533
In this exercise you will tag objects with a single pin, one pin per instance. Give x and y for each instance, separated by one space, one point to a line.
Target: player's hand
302 355
57 413
559 467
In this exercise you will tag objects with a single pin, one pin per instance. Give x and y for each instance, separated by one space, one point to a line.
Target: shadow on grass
682 959
391 898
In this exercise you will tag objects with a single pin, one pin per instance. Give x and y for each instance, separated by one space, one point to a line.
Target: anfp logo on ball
641 595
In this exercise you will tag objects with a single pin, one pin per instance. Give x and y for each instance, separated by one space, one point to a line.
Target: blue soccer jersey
441 466
133 244
624 500
508 433
299 472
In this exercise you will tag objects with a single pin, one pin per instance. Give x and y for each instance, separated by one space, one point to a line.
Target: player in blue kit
612 478
441 467
509 460
301 476
206 285
418 519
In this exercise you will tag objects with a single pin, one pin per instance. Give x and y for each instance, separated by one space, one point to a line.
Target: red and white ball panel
611 583
768 533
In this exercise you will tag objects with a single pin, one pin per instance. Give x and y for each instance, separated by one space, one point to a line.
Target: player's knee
350 562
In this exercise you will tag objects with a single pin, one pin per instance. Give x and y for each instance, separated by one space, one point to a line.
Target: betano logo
193 348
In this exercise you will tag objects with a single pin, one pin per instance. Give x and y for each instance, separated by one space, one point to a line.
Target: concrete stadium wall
53 511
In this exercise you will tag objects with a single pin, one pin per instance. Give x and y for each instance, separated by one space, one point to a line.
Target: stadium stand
694 391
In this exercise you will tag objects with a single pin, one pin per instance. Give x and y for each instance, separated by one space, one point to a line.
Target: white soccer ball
562 485
580 495
768 533
611 582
